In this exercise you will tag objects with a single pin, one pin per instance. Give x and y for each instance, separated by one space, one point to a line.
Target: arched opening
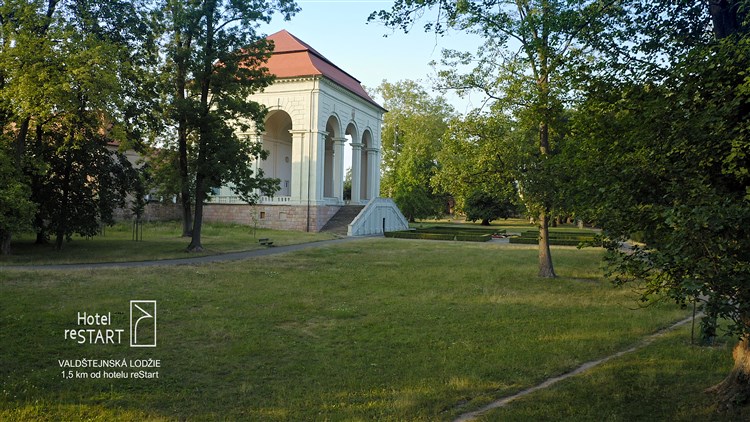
329 182
365 172
277 140
351 135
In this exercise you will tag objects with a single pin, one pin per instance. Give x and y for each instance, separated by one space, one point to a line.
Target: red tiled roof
293 58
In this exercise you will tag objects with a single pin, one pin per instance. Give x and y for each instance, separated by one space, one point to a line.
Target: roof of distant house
293 58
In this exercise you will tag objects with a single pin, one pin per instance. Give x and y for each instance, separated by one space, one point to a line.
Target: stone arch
366 166
277 140
351 130
330 176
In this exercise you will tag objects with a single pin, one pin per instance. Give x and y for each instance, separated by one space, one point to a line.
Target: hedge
555 241
438 236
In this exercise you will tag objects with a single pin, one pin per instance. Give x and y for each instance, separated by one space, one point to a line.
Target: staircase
339 223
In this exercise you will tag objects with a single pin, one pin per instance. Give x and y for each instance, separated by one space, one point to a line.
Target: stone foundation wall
154 211
280 217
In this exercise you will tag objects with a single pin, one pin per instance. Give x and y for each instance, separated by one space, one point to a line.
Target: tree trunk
21 142
195 242
182 45
546 270
5 236
485 222
724 17
734 391
182 137
63 216
204 130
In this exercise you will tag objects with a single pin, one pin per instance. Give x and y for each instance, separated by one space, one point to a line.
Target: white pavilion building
315 110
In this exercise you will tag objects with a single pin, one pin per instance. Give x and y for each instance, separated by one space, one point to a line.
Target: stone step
339 223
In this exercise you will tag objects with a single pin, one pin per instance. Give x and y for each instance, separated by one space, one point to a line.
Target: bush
557 241
427 235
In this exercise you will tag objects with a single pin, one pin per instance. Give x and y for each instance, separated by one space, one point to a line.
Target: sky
338 29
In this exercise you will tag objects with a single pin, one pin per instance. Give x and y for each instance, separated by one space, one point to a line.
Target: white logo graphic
142 323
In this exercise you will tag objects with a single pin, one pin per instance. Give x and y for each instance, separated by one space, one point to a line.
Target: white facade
316 112
311 120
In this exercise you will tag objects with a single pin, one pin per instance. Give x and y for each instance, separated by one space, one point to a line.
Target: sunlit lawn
663 382
161 240
375 329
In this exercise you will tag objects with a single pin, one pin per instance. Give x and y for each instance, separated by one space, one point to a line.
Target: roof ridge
307 47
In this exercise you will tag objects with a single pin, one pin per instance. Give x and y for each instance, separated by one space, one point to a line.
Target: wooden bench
265 242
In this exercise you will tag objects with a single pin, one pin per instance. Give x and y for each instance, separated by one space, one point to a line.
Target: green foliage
664 155
412 130
487 207
567 238
463 234
477 158
214 61
527 66
16 208
67 96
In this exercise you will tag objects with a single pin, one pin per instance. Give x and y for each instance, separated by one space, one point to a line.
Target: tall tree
664 156
479 166
412 131
215 62
16 208
66 66
530 46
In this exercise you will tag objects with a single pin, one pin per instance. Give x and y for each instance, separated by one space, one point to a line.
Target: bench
265 242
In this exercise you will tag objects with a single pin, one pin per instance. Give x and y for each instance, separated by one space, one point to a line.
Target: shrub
426 235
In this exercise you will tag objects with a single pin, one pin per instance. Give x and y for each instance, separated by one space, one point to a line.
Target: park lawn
378 329
665 381
161 240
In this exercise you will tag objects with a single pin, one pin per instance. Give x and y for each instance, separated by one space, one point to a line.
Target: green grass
376 329
161 240
663 382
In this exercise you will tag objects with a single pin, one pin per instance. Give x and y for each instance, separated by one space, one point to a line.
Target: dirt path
198 260
581 369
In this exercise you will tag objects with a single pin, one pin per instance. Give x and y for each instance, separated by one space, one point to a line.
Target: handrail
379 216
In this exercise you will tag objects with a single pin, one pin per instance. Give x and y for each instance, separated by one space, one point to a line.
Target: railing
379 216
235 199
274 199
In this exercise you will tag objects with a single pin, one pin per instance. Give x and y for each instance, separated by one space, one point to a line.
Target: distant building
315 110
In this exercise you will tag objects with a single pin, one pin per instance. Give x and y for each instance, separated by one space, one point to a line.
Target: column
257 160
317 166
338 168
373 171
298 191
356 171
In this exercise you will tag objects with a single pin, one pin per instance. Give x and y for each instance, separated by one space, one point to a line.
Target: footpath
196 260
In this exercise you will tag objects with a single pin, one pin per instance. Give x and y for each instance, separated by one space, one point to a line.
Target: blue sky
338 29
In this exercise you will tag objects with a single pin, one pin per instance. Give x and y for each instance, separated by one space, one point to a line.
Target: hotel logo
142 323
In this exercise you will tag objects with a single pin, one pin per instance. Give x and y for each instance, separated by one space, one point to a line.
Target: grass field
161 240
375 329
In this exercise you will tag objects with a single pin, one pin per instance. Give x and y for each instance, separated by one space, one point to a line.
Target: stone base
154 211
279 217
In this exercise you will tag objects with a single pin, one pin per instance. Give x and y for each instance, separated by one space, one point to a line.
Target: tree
523 66
476 166
486 207
66 68
16 209
664 156
412 130
214 62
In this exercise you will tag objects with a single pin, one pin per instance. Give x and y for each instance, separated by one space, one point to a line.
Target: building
315 109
